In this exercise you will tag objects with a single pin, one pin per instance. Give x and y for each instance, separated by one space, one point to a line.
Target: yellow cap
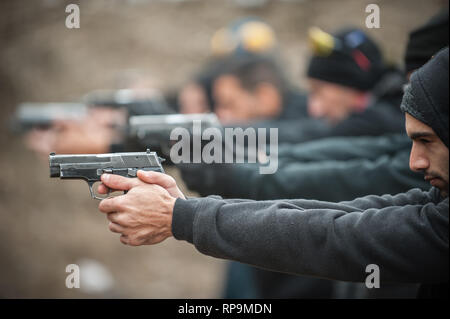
322 43
252 36
257 37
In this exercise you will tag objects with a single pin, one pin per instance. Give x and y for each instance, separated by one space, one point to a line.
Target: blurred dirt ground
47 224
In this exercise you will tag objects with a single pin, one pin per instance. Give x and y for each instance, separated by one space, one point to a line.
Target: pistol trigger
90 185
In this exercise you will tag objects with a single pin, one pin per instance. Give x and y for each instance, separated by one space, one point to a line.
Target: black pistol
90 167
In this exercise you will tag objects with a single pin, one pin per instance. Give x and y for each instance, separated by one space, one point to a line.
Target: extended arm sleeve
333 169
325 180
405 235
343 149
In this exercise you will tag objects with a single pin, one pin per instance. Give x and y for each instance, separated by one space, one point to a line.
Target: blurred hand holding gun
90 126
156 129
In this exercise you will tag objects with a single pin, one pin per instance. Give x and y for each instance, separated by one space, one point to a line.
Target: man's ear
270 101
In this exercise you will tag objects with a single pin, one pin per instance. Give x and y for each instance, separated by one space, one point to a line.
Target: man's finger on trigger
118 182
102 189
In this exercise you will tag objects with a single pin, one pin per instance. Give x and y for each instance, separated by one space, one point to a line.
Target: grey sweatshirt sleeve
405 235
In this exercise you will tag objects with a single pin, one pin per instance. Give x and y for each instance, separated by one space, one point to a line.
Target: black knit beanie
355 61
426 97
426 40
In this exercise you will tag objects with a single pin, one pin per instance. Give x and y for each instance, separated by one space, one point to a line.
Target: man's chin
441 185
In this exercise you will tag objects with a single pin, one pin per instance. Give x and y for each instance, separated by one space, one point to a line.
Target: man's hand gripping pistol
90 167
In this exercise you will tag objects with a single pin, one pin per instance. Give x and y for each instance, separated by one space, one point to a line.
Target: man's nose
418 162
315 109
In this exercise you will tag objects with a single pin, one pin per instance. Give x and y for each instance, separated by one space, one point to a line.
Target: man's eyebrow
417 135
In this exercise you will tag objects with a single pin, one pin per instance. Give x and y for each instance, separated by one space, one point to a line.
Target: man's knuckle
123 219
120 204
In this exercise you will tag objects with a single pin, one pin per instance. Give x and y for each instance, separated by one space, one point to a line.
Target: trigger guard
93 195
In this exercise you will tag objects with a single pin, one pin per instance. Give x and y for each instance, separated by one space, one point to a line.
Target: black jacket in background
333 169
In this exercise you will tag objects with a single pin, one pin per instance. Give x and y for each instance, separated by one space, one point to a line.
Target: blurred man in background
249 36
253 89
351 89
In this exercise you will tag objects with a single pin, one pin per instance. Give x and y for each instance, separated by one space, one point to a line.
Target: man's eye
425 141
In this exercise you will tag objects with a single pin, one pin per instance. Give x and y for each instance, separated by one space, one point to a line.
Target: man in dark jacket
405 236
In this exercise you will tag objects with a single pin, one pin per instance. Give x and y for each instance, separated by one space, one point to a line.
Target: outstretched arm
405 235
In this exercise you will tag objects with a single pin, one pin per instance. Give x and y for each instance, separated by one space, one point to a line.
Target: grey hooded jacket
406 235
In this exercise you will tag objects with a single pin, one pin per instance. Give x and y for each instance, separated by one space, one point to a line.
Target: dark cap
426 97
348 57
426 40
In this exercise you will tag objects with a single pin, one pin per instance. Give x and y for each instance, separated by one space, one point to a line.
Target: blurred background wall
47 224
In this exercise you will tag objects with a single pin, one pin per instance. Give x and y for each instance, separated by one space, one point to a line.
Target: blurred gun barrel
155 130
30 115
137 102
